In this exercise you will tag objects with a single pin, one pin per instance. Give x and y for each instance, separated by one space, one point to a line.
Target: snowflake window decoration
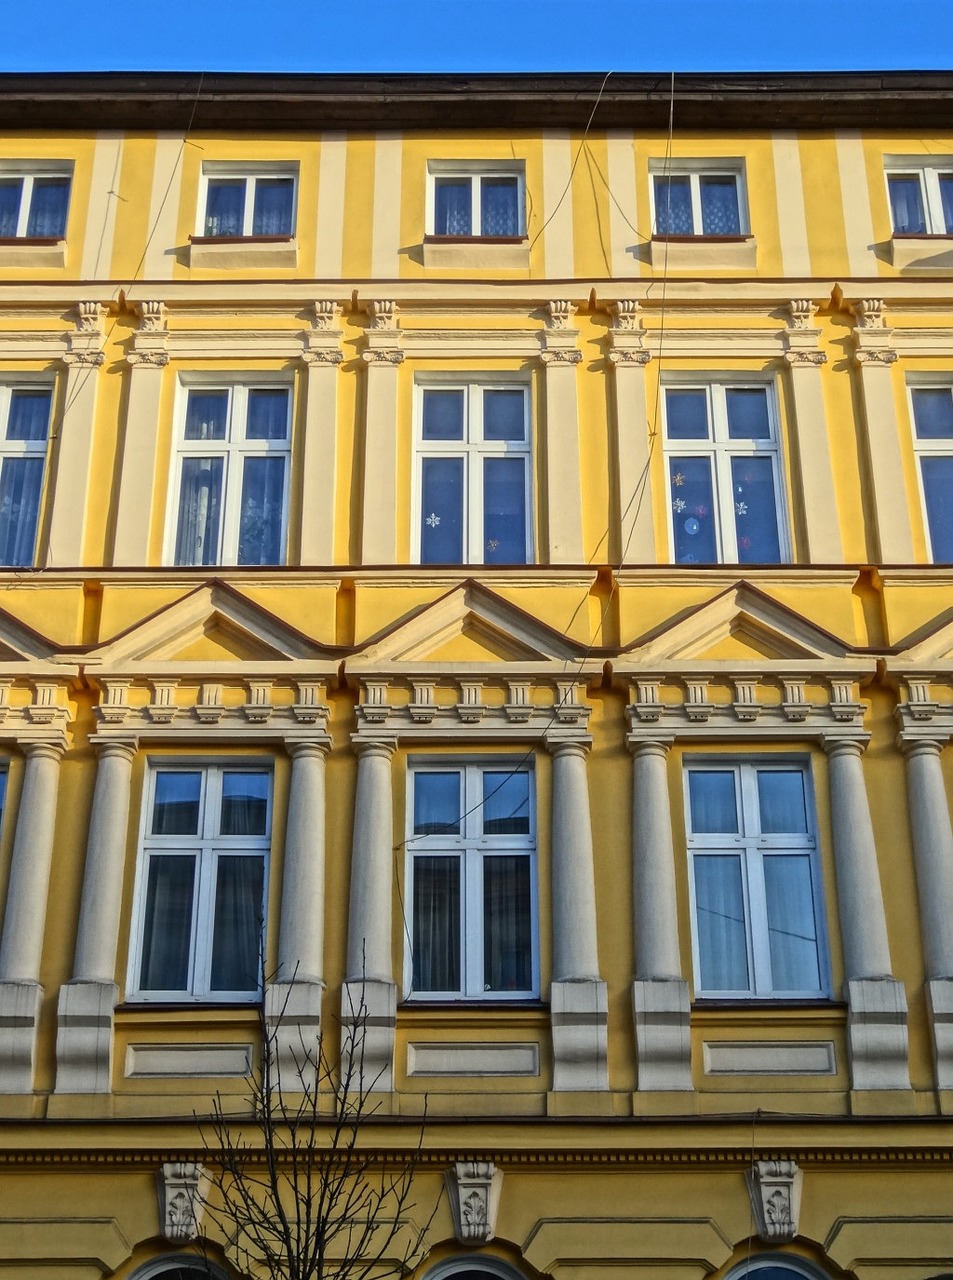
432 520
679 505
678 479
741 508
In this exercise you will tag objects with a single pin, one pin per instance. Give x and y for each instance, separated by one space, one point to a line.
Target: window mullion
932 203
26 200
476 191
248 212
698 226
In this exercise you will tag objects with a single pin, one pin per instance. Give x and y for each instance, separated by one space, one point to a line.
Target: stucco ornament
182 1191
775 1190
474 1190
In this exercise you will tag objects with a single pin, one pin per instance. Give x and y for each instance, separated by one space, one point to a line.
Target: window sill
695 253
922 252
477 252
32 252
226 253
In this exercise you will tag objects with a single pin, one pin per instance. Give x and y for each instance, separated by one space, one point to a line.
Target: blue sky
476 35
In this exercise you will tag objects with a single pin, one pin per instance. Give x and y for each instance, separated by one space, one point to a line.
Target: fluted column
25 916
933 856
877 1019
578 995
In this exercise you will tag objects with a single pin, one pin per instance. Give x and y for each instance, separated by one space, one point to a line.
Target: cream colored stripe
385 236
329 237
855 198
557 238
164 208
792 221
101 214
624 240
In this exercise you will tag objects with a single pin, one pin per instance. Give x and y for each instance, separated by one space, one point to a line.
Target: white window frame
721 449
695 170
207 848
942 448
26 448
753 847
927 171
474 171
250 173
473 449
234 451
472 847
27 172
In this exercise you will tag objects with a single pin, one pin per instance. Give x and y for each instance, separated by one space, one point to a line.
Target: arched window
776 1267
473 1267
175 1267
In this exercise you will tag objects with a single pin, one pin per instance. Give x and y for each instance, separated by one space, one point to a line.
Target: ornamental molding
763 343
151 317
383 314
453 343
474 1188
89 318
872 337
326 314
870 313
559 314
182 1189
775 1190
802 312
626 315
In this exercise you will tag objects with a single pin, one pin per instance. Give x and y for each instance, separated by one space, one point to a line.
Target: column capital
123 748
912 747
300 749
384 747
568 747
43 750
844 746
649 746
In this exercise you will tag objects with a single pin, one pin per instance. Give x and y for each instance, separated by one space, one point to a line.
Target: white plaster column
563 483
318 472
25 916
85 1007
147 360
579 1005
369 997
629 359
383 358
877 1017
933 856
660 997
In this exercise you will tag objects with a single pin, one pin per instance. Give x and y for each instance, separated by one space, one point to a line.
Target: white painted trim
855 200
792 219
329 233
385 232
159 258
558 249
103 205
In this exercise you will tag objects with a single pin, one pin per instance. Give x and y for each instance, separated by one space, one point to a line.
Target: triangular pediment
212 624
470 625
930 645
20 643
741 624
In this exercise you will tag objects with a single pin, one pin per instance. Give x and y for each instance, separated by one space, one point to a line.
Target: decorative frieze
775 1190
474 1188
182 1191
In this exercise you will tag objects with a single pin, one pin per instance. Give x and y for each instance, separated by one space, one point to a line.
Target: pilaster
383 355
628 359
147 359
321 356
560 357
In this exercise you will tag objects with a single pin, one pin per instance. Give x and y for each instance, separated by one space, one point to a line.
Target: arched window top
776 1267
175 1267
473 1267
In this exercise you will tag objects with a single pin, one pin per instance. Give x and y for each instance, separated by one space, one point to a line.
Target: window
724 472
933 441
232 481
474 473
921 197
24 428
472 848
201 883
253 200
483 201
34 202
756 891
700 201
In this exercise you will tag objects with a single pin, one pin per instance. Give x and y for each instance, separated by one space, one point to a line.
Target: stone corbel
801 336
873 339
151 339
471 707
697 704
746 705
558 339
183 1188
645 704
382 337
322 342
309 706
775 1190
920 705
84 346
794 704
473 1188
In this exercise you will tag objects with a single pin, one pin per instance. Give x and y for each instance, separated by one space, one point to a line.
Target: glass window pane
21 482
274 206
268 413
946 201
200 498
938 495
260 524
673 207
175 809
441 515
236 932
686 414
499 207
505 803
452 207
504 414
29 414
437 943
781 801
906 204
933 413
507 925
206 415
225 207
748 413
693 521
167 927
443 414
438 808
756 510
504 510
713 802
10 191
48 207
720 920
792 933
244 803
719 199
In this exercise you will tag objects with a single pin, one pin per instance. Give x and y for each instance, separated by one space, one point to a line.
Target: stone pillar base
663 1041
293 1022
84 1037
19 1014
580 1014
877 1034
940 1009
368 1024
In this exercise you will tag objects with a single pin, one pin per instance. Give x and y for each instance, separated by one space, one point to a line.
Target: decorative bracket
775 1190
182 1192
474 1189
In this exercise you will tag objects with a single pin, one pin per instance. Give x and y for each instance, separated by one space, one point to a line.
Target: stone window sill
477 252
922 253
32 252
696 253
229 253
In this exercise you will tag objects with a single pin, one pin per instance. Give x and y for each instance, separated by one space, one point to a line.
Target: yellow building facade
489 538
